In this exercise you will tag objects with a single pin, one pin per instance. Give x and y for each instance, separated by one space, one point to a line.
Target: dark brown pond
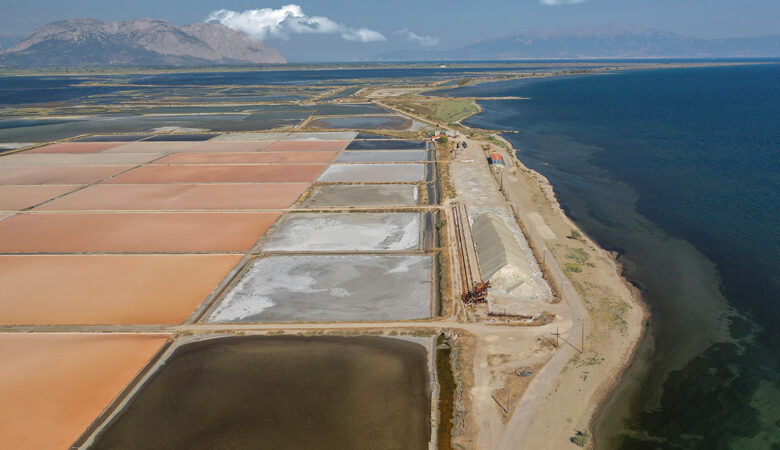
282 392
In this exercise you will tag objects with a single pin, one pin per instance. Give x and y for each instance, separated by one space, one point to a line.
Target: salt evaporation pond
281 392
316 232
324 288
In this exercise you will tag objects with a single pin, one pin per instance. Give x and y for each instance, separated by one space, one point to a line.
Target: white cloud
411 36
287 20
362 34
560 2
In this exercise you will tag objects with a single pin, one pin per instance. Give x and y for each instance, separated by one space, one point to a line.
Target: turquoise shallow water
679 171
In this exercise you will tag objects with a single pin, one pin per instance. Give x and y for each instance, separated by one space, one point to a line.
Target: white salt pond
373 173
356 195
330 288
382 156
334 232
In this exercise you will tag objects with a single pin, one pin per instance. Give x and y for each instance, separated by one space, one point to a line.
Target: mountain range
151 42
598 43
145 42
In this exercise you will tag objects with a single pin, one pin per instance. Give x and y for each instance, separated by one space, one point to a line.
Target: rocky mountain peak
83 41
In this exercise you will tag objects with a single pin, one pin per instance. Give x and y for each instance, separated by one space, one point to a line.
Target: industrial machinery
474 289
477 295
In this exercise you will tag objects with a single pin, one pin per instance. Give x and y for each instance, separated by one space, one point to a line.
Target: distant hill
599 43
8 40
145 42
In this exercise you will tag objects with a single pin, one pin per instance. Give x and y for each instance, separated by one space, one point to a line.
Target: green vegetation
615 312
442 110
579 257
603 304
576 235
453 110
422 333
583 360
497 141
581 439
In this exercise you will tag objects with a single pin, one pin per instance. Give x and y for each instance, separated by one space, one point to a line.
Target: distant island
145 42
606 42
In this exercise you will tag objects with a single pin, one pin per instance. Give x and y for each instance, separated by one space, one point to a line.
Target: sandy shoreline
617 349
571 388
569 395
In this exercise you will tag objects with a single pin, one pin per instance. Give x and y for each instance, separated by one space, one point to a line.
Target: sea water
679 171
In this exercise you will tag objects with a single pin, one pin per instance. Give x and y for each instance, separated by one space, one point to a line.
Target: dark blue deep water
679 171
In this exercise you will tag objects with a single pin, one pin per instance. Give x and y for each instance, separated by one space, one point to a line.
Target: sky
348 29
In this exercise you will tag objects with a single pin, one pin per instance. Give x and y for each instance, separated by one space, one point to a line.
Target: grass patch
580 256
576 235
441 110
454 110
496 141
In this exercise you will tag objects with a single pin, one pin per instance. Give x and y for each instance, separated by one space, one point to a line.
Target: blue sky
360 28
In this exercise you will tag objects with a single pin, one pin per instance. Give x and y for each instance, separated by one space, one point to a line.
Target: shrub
581 439
579 255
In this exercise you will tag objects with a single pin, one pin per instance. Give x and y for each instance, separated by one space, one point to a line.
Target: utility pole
557 335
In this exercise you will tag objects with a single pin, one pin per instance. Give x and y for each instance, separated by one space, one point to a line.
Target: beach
568 390
674 172
574 380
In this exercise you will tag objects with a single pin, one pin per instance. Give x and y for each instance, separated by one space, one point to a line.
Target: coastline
637 294
703 259
626 350
627 380
556 417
